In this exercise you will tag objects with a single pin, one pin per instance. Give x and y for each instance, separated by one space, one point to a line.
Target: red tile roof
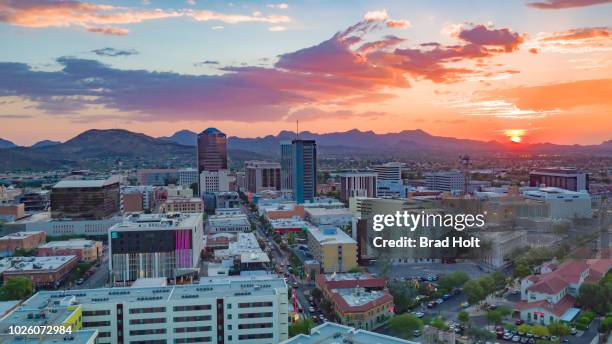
567 273
557 309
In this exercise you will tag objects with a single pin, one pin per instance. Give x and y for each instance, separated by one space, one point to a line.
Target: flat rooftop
158 221
72 243
552 192
331 333
229 220
246 247
78 337
85 183
328 211
23 264
208 288
358 296
19 235
330 235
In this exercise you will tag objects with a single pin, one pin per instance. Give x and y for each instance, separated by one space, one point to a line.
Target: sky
508 70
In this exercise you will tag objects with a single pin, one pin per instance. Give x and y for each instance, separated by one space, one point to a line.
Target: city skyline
523 71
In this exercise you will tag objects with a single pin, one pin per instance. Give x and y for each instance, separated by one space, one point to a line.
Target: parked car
416 333
445 297
573 331
439 301
516 339
519 322
80 281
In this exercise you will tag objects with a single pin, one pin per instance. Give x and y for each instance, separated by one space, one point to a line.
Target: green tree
488 284
596 296
302 326
499 279
473 291
17 288
521 270
440 324
453 280
558 329
463 317
404 325
494 317
291 239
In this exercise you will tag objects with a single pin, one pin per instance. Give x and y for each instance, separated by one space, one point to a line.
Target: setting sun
515 135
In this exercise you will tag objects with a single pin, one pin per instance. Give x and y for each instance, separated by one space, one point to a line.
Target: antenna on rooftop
297 129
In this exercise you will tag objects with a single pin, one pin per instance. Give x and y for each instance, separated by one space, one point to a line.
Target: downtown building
357 184
155 245
447 181
85 199
304 170
565 178
222 310
212 162
286 166
262 176
389 183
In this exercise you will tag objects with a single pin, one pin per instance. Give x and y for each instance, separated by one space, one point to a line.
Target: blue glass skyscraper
304 170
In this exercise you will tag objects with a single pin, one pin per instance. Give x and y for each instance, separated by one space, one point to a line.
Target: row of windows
96 323
255 315
193 340
255 336
148 321
257 325
98 312
148 331
192 329
254 304
192 318
192 308
153 341
147 310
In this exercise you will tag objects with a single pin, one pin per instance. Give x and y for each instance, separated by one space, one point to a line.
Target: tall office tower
304 170
357 184
567 178
212 150
286 169
85 199
262 175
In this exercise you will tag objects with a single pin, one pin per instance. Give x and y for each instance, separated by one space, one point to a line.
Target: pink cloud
485 36
113 31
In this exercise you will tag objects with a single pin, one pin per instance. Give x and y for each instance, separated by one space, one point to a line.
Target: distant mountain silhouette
6 144
108 149
45 143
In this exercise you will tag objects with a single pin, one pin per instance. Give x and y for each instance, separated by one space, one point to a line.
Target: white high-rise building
448 181
214 181
228 310
357 184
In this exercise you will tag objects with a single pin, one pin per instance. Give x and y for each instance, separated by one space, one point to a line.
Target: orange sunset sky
528 71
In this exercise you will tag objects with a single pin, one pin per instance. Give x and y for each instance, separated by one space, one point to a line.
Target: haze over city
510 71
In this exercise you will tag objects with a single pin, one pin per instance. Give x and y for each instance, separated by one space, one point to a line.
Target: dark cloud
206 62
112 52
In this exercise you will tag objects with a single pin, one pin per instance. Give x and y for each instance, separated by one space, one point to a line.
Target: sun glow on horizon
515 135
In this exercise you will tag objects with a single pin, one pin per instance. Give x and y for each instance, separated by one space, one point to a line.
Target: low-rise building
183 205
358 299
551 296
244 250
21 240
564 204
87 250
333 248
228 223
330 333
294 225
340 217
43 271
11 212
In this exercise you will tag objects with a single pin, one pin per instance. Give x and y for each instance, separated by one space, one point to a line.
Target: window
95 313
192 318
193 340
192 329
255 336
254 304
257 325
96 323
148 321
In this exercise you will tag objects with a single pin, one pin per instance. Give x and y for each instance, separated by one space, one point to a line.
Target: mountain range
106 149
